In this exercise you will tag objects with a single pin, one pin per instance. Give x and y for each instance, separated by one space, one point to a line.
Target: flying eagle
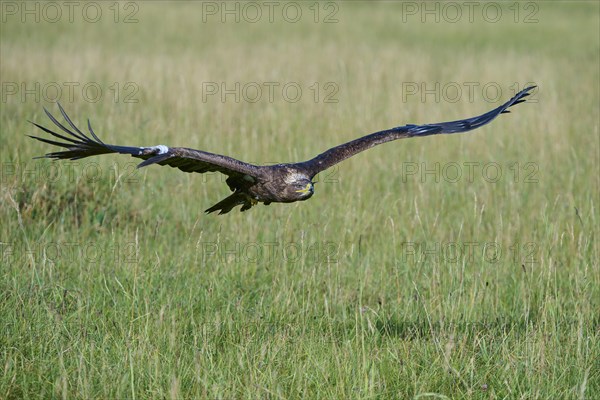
250 184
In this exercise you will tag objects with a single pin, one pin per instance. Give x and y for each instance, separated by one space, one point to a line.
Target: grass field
463 266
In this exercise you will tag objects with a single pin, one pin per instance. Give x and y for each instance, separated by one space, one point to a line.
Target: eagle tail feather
228 203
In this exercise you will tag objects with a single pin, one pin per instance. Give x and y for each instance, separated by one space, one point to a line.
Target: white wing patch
162 149
157 150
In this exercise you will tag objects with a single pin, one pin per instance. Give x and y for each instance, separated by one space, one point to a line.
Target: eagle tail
228 203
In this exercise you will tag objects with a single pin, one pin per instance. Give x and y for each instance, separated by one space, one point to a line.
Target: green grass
114 284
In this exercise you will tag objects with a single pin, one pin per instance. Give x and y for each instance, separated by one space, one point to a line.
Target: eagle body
251 184
280 183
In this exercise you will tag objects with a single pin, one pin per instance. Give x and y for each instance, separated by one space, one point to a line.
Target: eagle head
303 189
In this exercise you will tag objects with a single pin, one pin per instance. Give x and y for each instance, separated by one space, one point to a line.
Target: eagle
251 184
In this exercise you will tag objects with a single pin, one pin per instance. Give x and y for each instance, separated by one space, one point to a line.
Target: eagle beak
308 188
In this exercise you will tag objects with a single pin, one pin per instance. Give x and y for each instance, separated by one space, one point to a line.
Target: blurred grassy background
115 284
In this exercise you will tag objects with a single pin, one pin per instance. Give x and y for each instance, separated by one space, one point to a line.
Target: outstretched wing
342 152
79 145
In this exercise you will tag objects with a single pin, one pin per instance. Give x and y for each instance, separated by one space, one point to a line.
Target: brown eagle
250 184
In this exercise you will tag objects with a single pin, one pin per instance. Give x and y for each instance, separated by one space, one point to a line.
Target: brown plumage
250 184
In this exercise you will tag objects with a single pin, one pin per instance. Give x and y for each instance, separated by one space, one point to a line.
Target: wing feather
79 145
339 153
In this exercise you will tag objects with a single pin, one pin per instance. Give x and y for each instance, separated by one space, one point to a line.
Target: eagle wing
79 145
339 153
